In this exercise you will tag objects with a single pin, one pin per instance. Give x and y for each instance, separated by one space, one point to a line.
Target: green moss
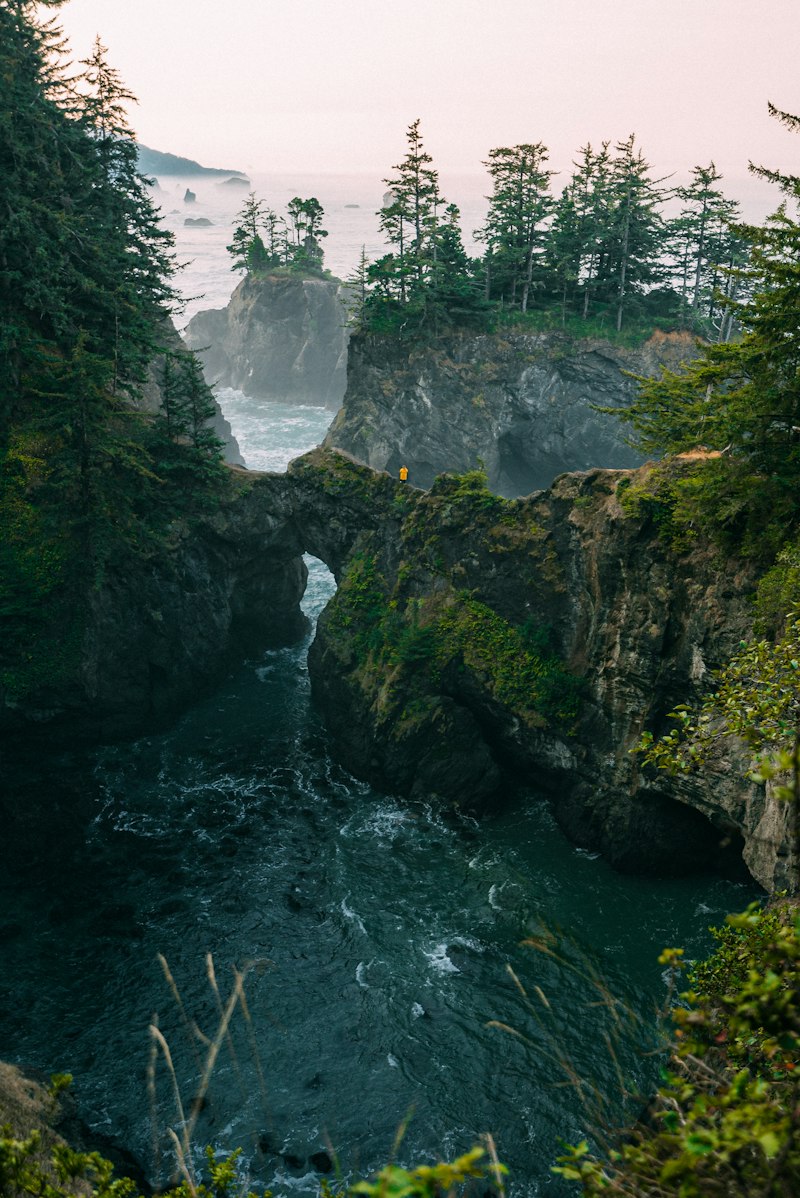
519 666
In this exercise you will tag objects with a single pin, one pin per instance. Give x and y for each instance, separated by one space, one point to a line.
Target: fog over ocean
351 203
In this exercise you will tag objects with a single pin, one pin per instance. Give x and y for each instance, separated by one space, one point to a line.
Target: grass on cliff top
601 326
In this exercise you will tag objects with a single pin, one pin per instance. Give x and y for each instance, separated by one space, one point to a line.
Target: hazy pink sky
330 85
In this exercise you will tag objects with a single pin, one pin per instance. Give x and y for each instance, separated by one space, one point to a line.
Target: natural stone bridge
415 663
641 626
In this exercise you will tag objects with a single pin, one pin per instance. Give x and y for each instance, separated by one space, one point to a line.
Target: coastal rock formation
524 404
474 640
281 337
150 399
474 643
161 628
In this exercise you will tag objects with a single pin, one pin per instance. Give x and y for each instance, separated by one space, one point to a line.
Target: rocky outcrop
162 626
150 397
281 338
474 640
522 403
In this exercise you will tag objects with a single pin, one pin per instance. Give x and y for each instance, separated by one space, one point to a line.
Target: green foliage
64 1174
778 590
361 603
263 241
600 323
27 1170
86 478
654 495
756 698
471 486
517 665
520 669
727 1120
430 1181
741 398
723 500
599 259
515 232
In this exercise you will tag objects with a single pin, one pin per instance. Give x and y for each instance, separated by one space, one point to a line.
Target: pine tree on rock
515 231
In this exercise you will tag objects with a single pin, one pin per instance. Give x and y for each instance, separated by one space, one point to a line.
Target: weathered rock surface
640 625
448 662
160 629
151 399
522 403
281 338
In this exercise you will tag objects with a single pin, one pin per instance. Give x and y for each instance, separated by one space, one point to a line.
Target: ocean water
387 946
350 202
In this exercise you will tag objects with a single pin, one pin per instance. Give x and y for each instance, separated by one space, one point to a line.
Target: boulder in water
236 181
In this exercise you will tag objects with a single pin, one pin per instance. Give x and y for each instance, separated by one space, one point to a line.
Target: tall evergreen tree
634 259
85 289
705 247
515 225
410 222
742 398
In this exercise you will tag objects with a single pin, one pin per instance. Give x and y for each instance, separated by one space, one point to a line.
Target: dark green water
382 931
379 932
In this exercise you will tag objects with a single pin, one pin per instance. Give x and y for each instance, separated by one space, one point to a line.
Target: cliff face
280 338
474 640
521 403
161 627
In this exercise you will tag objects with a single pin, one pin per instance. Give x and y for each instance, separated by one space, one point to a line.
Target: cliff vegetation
600 259
89 480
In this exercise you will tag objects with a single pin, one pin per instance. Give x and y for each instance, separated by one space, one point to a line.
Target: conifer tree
634 258
247 247
706 249
410 222
515 226
742 398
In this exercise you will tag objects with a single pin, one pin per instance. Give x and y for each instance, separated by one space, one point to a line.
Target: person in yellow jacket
403 474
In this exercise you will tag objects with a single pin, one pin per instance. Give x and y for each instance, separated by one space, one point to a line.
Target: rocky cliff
161 626
522 403
281 337
474 641
150 399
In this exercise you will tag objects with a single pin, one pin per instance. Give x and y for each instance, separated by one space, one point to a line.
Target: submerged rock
281 337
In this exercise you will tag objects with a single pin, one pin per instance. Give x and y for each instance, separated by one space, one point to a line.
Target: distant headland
156 162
